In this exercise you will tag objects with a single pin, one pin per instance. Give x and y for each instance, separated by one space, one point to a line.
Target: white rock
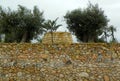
19 74
83 74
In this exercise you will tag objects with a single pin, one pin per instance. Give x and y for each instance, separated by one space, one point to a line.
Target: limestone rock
58 38
83 74
106 78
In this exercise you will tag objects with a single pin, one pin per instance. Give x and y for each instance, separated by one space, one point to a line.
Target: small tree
108 32
112 29
51 26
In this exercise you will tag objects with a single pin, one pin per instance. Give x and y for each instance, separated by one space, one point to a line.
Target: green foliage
21 25
51 26
87 24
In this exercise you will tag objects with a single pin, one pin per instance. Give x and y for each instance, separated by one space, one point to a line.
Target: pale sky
58 8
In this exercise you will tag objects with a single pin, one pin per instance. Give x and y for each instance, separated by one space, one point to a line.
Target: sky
58 8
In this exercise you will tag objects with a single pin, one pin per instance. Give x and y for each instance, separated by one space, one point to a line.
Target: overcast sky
58 8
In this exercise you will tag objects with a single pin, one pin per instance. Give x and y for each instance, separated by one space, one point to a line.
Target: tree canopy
51 26
21 25
87 24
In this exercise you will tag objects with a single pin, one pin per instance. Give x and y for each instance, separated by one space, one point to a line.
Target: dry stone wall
60 62
58 38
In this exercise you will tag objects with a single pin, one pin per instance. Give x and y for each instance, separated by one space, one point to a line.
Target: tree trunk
24 38
85 38
90 38
113 38
52 37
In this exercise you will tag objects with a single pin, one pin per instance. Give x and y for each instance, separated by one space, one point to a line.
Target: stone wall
58 38
61 62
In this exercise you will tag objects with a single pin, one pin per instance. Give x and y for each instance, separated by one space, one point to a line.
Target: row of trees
22 25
